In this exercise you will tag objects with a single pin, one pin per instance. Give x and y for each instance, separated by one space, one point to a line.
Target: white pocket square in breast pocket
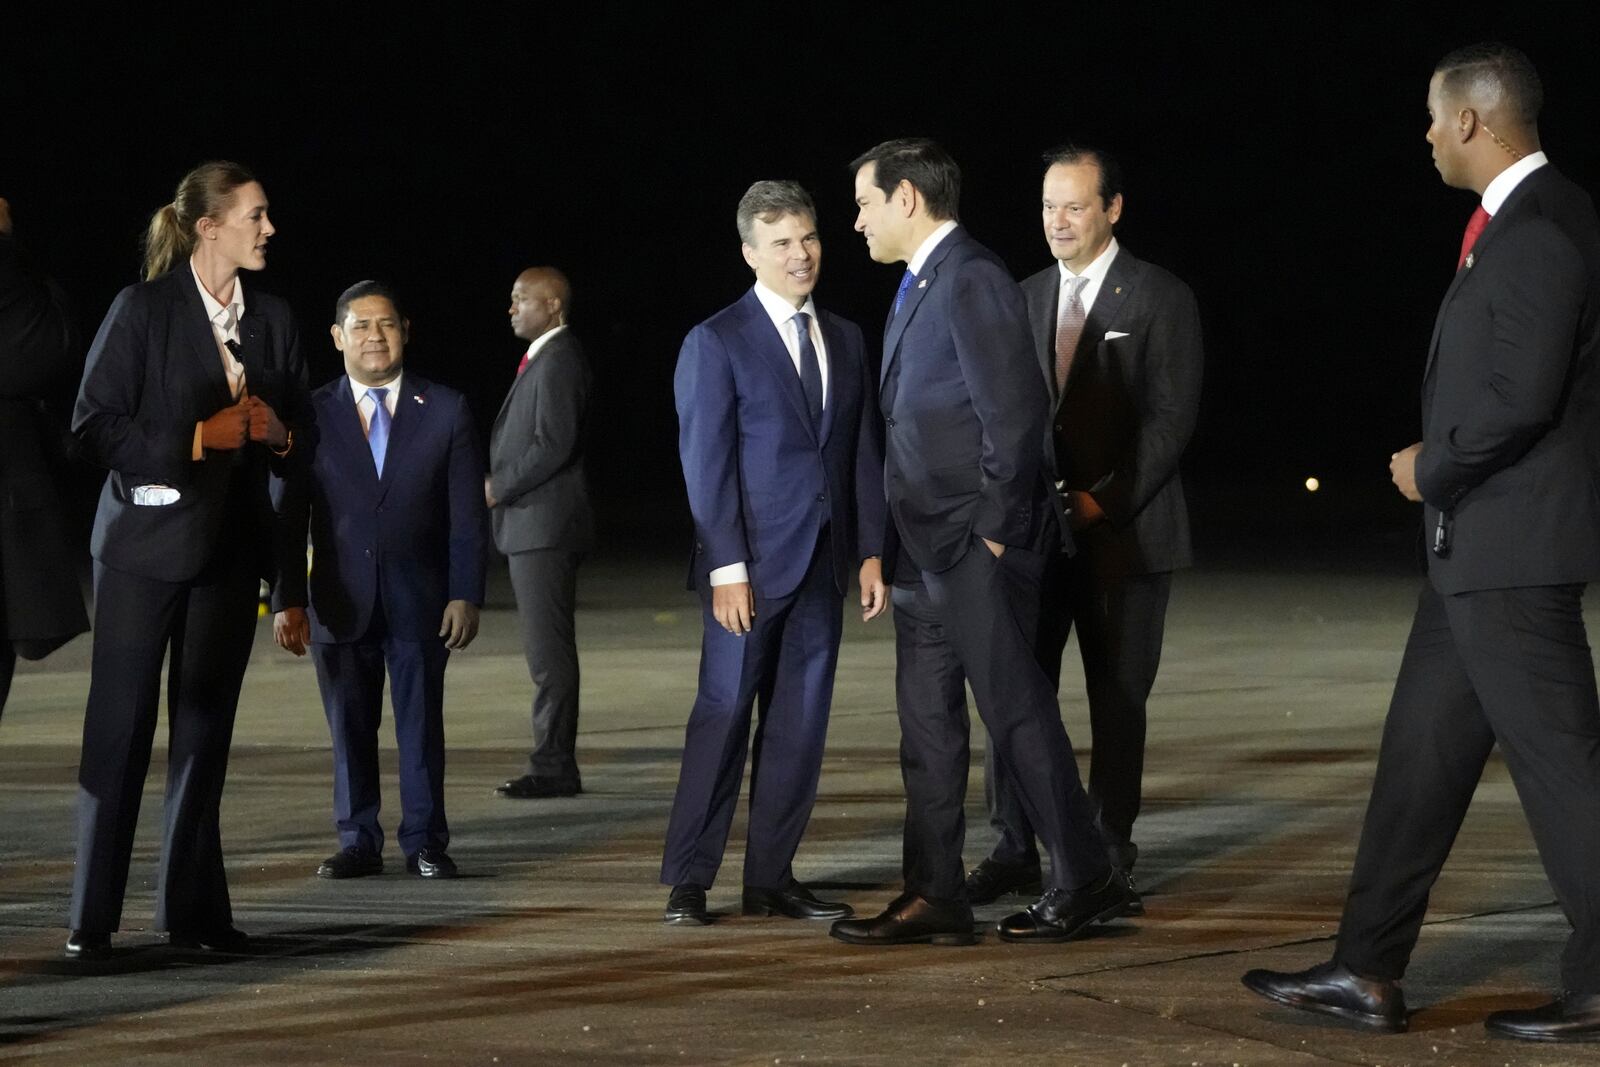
1112 335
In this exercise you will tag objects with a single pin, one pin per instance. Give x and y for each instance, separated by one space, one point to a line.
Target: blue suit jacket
761 480
965 411
419 534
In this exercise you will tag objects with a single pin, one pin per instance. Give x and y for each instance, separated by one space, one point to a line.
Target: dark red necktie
529 355
1475 225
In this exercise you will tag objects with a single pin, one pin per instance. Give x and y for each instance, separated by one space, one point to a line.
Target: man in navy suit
1506 474
398 537
783 465
970 521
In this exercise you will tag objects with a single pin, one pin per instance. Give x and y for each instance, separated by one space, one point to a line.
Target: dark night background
1275 161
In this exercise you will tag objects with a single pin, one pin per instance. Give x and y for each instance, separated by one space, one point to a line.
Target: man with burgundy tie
1118 341
1506 472
539 504
970 522
783 463
398 542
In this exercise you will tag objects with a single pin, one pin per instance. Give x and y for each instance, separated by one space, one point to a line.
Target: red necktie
528 356
1475 225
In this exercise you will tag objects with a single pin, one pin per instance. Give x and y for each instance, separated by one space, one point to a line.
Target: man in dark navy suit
970 519
399 534
1506 473
782 462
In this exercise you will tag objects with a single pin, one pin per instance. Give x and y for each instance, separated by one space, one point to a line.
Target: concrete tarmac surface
549 950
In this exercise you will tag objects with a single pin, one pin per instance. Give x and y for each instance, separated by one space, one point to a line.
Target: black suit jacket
1510 399
536 453
1128 411
153 372
413 540
964 411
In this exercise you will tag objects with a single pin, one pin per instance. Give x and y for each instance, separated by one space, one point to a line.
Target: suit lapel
833 341
197 327
925 281
761 336
337 416
410 409
1108 302
1044 310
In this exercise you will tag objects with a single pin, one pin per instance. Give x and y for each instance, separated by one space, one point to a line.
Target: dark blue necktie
810 369
378 427
905 283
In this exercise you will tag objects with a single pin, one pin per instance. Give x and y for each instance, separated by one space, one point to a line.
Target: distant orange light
1312 485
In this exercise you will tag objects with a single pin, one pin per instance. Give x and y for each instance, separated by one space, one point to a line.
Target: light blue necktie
900 297
378 428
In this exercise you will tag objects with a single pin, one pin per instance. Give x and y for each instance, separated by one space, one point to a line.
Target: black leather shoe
218 939
991 880
352 861
910 920
1333 989
1065 913
432 863
530 786
794 902
686 906
88 945
1573 1017
1135 906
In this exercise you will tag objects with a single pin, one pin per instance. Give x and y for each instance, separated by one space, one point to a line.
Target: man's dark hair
1071 154
917 160
1490 68
770 201
363 289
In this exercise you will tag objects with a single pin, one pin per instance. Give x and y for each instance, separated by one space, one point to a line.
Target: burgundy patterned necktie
1069 327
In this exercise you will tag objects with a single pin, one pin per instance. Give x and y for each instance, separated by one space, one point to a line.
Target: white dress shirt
1495 193
782 314
1094 275
224 327
542 340
366 403
925 249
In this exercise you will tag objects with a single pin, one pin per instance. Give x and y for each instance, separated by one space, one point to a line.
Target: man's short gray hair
770 201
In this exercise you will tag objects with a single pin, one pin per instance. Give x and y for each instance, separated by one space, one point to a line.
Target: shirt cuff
197 451
733 572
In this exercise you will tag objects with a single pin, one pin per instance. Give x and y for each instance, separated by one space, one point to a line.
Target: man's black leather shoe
218 939
1333 989
1065 913
530 786
1574 1017
794 902
88 945
352 861
991 880
910 920
686 906
432 863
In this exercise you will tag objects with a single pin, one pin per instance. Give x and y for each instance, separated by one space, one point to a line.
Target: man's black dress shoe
88 945
530 785
432 863
352 861
1574 1017
1065 913
910 920
991 880
1333 989
686 906
795 902
218 939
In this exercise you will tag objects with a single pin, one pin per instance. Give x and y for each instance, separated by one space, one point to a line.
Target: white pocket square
1112 335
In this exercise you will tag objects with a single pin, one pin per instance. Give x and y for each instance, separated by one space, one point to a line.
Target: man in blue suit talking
970 519
399 536
782 460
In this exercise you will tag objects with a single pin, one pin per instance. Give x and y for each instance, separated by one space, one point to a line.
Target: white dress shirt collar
780 310
542 340
1094 275
925 249
224 317
1496 192
359 392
